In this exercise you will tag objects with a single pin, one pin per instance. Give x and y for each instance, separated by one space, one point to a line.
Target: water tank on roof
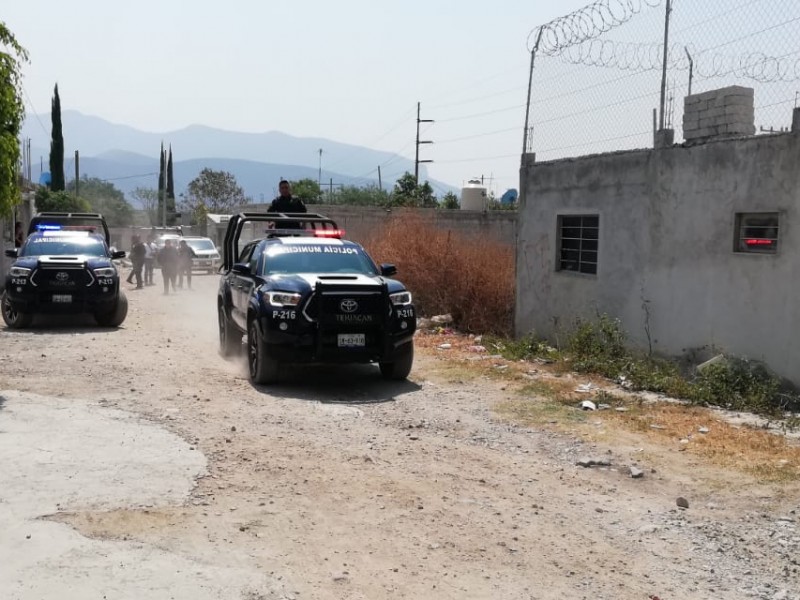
473 195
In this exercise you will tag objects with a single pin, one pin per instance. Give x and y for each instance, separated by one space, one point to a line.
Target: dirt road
146 466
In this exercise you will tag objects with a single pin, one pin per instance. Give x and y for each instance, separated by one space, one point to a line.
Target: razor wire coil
637 57
588 23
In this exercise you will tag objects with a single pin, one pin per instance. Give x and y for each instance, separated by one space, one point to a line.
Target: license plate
62 298
352 340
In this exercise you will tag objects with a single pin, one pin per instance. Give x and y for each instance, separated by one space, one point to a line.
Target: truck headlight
401 298
105 272
19 272
283 298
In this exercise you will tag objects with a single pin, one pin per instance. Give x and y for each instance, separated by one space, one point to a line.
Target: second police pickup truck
65 266
301 294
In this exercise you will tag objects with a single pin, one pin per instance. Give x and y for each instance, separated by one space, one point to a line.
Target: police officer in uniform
286 203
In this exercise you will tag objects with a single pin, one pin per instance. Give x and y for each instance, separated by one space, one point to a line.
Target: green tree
12 112
492 203
306 189
450 201
57 182
62 201
361 196
407 192
212 192
105 198
149 201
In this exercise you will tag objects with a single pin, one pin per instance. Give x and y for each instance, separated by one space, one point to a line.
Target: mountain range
129 157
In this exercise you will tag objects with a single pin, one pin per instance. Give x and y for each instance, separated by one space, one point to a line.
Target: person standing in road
186 255
137 261
149 260
19 235
168 259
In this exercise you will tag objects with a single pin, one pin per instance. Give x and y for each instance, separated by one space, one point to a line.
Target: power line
717 16
130 176
477 83
477 135
478 98
751 35
464 160
33 108
596 108
402 121
483 114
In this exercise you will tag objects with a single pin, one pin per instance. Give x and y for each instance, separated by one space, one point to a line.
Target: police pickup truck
302 294
64 267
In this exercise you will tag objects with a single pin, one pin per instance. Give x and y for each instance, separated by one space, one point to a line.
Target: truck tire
230 338
13 318
115 317
400 368
262 368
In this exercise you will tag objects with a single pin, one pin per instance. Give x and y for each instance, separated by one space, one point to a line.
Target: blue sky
351 71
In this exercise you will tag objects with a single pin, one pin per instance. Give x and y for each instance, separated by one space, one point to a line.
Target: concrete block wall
719 113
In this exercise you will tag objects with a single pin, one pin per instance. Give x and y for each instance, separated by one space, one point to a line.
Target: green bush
599 347
738 384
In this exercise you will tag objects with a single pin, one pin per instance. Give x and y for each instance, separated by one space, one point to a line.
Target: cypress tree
161 184
57 183
170 191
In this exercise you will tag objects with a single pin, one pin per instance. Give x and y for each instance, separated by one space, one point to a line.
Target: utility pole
416 157
319 176
380 184
77 172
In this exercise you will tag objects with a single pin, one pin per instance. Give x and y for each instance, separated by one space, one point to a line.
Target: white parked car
207 255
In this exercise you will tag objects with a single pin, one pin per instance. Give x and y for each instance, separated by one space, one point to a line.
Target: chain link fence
597 74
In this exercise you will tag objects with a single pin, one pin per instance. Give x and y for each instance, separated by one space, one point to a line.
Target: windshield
63 246
201 244
313 258
160 241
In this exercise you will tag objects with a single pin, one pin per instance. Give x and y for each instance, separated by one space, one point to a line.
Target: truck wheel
14 318
230 338
115 317
400 368
263 368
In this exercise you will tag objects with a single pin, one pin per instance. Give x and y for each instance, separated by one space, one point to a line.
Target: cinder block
739 100
737 90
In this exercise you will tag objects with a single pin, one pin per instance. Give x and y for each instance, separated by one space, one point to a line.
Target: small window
757 233
577 243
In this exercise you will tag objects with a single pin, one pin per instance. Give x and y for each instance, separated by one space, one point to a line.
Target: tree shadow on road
337 384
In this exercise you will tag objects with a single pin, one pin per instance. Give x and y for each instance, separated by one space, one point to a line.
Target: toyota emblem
349 305
62 276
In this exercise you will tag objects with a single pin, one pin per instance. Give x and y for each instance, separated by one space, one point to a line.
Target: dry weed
450 273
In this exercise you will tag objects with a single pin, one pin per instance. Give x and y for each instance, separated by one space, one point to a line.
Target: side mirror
115 254
11 253
242 268
388 270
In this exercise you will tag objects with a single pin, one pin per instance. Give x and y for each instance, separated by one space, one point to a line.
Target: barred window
577 243
757 233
